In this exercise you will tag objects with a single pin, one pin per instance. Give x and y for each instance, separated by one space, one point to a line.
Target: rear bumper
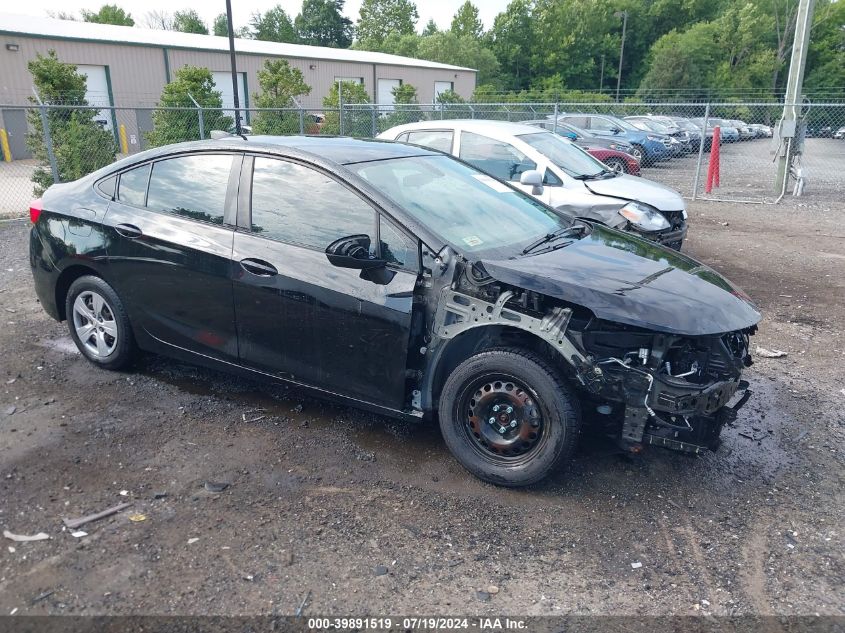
44 274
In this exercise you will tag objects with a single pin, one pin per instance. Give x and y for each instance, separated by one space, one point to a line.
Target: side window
549 178
440 140
578 121
402 138
297 204
133 186
396 247
497 158
106 187
602 124
191 186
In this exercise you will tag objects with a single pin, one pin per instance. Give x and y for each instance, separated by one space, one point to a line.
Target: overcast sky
440 10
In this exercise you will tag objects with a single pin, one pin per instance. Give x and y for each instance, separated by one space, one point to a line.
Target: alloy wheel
95 324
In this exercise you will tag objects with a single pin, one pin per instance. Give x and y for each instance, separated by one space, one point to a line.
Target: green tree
380 18
448 48
279 83
512 41
466 22
80 145
189 21
356 122
826 57
322 23
430 28
175 126
221 28
274 25
406 108
109 14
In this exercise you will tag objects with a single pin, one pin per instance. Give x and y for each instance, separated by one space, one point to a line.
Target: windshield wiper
604 173
551 237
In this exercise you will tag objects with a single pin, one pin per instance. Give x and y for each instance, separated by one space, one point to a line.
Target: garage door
97 92
442 86
223 83
385 91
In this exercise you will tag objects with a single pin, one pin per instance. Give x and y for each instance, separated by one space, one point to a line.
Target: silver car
557 172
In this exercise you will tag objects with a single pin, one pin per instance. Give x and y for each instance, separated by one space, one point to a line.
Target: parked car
698 125
615 154
745 132
398 280
649 148
819 131
727 132
680 139
840 133
760 130
562 174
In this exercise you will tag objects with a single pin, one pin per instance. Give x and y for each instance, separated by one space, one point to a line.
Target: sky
439 10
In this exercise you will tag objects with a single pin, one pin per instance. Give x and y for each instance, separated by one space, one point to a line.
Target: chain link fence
44 143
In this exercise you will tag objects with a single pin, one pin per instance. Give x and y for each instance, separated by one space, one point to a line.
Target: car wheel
98 323
509 417
638 152
616 164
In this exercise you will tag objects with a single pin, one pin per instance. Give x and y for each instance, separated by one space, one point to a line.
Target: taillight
35 210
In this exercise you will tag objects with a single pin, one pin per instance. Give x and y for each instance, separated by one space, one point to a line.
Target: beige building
127 67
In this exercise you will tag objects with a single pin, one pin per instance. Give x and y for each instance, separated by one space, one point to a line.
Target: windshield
473 212
654 126
570 158
625 125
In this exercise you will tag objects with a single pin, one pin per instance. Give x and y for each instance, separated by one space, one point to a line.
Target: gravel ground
372 516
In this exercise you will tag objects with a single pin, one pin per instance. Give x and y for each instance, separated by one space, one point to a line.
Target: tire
638 152
617 165
537 409
98 323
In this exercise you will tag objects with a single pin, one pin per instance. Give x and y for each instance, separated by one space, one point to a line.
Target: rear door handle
259 267
129 230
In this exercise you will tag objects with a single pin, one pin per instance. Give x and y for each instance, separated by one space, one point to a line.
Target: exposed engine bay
647 387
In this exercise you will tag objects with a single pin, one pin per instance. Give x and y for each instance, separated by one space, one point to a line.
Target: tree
189 21
380 18
80 145
826 57
355 122
159 20
321 23
279 83
448 48
109 14
174 126
406 110
466 22
511 41
430 28
274 25
221 28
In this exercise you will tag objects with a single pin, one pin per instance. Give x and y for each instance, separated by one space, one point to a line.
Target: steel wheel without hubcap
502 419
95 324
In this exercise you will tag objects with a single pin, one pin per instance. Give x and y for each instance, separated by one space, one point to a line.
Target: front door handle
129 230
259 267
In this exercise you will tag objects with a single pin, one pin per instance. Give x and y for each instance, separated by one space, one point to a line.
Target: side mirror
534 179
353 251
616 130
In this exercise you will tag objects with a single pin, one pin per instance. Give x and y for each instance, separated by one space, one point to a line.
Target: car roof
471 125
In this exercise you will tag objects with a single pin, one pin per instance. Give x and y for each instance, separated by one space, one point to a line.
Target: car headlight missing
643 216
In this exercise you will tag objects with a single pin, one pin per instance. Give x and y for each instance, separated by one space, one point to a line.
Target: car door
169 250
298 316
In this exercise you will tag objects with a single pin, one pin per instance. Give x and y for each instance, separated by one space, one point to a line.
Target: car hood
626 279
640 189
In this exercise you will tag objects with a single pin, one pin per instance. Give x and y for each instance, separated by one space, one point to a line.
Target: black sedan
400 280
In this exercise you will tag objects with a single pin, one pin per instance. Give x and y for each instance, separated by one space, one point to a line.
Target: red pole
713 165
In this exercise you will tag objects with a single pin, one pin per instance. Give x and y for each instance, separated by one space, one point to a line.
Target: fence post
340 106
554 125
48 138
701 151
375 127
472 110
202 121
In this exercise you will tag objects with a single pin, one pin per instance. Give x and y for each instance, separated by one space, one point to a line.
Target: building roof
112 34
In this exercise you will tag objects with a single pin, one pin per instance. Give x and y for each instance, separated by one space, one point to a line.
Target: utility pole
601 76
624 16
788 125
234 67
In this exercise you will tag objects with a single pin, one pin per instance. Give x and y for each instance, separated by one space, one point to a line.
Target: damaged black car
398 280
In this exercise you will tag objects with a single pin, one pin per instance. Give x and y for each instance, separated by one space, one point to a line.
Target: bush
280 84
80 145
175 126
356 122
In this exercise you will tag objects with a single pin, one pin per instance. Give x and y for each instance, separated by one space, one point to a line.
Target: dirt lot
324 499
